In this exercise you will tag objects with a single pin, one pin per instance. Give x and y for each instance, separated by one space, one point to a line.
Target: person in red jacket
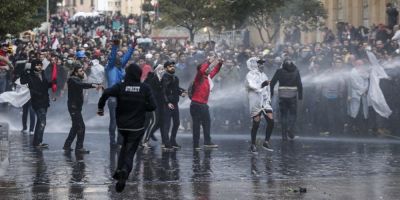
198 108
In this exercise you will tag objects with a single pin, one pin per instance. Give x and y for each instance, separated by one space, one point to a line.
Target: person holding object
38 88
199 109
171 92
134 99
75 102
259 100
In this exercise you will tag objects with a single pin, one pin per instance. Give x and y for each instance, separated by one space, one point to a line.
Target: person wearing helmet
259 101
290 89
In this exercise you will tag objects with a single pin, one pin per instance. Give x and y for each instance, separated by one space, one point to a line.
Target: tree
196 14
18 16
272 15
190 14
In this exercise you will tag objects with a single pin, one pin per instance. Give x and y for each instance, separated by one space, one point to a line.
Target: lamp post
47 18
207 30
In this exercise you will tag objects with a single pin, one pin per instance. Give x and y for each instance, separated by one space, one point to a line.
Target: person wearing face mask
259 100
290 89
38 88
154 119
171 93
75 102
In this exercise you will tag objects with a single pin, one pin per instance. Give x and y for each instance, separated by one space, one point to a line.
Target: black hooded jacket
134 99
156 87
75 91
287 76
38 87
171 89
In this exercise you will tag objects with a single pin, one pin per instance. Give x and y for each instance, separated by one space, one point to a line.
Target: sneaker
42 146
24 131
146 145
68 149
31 132
253 149
120 175
176 146
82 150
210 145
167 148
196 148
267 146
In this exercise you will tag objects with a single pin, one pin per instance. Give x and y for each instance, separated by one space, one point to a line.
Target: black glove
265 83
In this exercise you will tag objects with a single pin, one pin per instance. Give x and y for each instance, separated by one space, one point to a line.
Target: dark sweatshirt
171 89
75 91
134 99
288 76
38 88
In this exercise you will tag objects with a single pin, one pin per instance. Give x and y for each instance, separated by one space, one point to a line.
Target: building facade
125 7
356 12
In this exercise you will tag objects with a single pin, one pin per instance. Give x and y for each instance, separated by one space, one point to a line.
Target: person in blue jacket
115 72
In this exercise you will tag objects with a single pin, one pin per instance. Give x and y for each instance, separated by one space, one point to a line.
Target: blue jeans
40 125
112 106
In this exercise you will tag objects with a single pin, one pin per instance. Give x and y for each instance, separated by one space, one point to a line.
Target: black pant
153 122
167 116
25 109
40 125
131 141
288 111
77 129
200 116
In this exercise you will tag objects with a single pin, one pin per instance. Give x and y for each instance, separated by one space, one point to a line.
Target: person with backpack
199 92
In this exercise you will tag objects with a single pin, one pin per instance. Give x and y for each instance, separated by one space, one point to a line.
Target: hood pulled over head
133 73
252 63
288 65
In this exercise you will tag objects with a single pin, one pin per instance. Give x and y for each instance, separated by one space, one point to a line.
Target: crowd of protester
323 110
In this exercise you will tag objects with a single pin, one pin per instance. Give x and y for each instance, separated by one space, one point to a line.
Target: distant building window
365 13
92 3
74 2
81 2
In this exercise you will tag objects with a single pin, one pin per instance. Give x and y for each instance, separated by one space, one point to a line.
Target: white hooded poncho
259 98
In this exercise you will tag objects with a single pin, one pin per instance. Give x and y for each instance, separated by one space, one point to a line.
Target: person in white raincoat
358 91
96 76
259 101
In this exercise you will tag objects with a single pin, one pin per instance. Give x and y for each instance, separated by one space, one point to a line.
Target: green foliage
19 15
271 15
268 15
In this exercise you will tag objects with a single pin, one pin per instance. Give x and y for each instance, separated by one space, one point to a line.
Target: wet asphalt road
328 168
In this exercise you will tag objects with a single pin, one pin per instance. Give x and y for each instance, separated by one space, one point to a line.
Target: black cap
261 61
168 63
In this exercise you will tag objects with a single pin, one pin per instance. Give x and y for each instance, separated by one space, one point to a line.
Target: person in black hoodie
154 119
134 99
171 92
38 88
75 102
290 88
